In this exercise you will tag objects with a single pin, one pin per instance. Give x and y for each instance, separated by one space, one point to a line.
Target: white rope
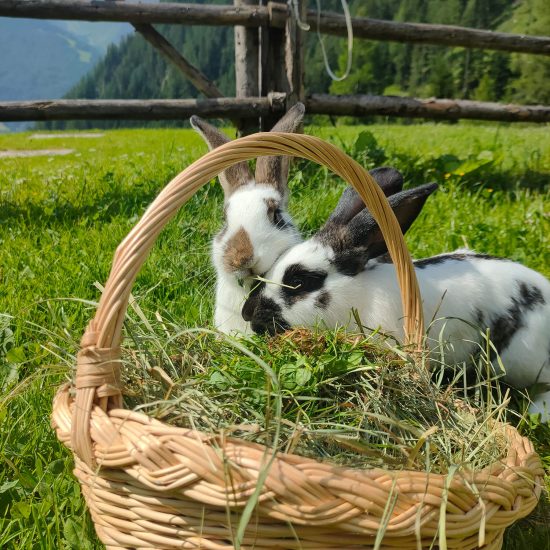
296 12
294 7
349 26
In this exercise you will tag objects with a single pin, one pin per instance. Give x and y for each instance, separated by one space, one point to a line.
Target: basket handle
98 363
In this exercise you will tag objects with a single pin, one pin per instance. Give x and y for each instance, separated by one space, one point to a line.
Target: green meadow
61 218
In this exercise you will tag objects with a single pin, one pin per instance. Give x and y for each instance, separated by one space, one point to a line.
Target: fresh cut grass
61 219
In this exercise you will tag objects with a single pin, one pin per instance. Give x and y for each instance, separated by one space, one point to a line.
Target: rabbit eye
299 281
311 282
277 217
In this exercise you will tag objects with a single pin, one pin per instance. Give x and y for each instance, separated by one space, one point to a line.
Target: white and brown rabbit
340 268
257 228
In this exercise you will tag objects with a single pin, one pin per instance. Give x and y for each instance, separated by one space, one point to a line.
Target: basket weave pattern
149 485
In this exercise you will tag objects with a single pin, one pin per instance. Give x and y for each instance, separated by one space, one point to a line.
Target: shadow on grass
111 204
531 532
508 180
480 169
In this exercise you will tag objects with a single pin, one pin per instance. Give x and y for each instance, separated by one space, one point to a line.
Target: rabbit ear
350 204
361 239
389 179
231 178
406 206
274 170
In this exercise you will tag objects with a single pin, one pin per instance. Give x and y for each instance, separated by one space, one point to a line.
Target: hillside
98 35
41 60
134 70
426 71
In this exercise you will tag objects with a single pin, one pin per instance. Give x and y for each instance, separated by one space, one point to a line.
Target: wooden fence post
281 51
247 65
294 54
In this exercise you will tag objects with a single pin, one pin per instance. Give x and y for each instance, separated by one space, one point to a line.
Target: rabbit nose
272 326
264 315
253 301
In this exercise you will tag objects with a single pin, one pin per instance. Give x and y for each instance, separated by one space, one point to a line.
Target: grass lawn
61 218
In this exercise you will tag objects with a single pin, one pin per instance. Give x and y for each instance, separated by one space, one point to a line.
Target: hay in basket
152 485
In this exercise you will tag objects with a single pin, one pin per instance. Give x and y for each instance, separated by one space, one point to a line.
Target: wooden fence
269 67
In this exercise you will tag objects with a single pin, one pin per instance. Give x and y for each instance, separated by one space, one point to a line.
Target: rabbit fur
463 293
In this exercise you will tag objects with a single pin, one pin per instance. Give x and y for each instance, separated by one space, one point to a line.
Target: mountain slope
40 60
135 70
98 35
424 70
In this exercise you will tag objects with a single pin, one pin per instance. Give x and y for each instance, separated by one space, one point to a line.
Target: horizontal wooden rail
253 16
439 109
423 33
136 109
169 12
354 105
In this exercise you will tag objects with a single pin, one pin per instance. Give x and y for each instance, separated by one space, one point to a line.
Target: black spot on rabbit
299 282
435 260
276 216
505 326
323 300
480 319
530 296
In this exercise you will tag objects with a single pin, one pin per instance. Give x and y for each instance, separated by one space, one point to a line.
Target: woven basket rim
64 401
89 417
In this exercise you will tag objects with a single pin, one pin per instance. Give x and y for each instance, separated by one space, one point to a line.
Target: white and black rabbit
341 267
257 228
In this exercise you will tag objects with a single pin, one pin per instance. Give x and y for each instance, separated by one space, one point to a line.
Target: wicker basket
149 485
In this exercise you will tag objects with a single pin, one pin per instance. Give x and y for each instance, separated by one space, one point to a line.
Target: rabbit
257 228
342 267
